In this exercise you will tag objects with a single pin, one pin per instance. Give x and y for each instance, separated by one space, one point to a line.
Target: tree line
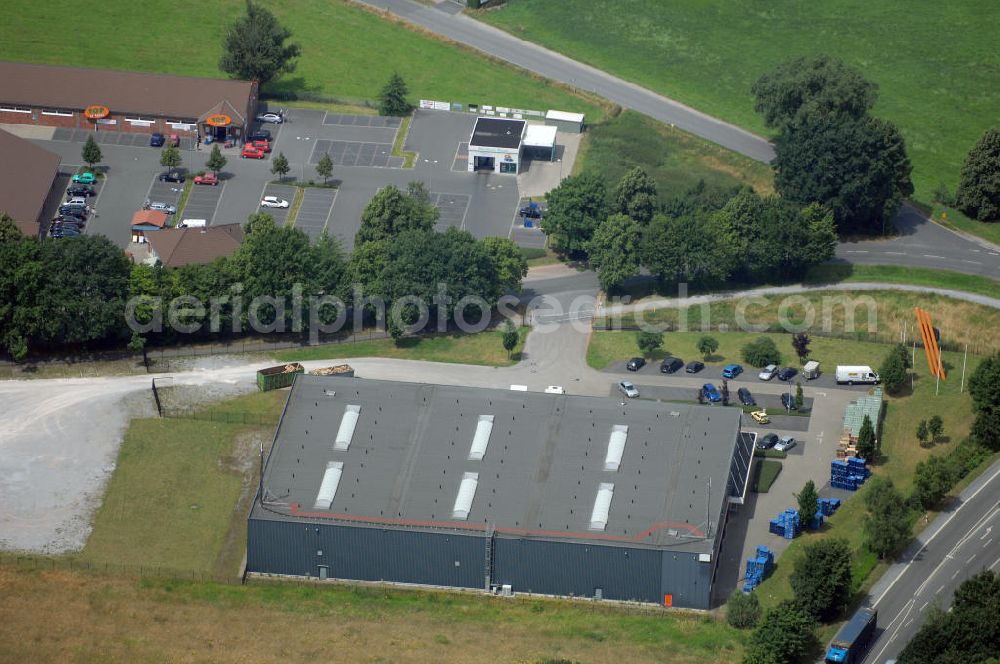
73 295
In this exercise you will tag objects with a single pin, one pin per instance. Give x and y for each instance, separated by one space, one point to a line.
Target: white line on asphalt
330 213
510 233
988 542
924 605
217 201
939 589
908 622
968 500
932 256
972 262
971 558
856 251
955 574
895 253
995 563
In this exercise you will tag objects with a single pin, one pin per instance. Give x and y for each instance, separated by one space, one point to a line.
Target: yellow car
760 416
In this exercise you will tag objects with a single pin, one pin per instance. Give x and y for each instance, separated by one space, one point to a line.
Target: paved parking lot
203 202
356 153
361 120
461 161
103 137
284 191
317 204
452 209
57 195
164 192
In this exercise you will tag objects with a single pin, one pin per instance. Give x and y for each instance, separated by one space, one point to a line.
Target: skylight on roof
482 438
616 447
347 425
602 506
466 493
328 487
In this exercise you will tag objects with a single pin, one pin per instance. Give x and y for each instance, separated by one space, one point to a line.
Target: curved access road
558 67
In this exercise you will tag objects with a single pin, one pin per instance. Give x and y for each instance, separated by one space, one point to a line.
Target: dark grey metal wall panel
366 554
568 568
687 580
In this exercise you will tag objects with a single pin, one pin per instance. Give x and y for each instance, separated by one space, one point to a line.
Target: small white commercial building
570 123
540 142
496 145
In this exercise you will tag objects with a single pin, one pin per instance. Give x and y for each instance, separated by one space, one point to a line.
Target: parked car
259 135
273 202
264 146
671 364
787 373
711 393
787 401
273 118
760 416
76 200
768 372
636 363
767 441
70 218
532 211
250 152
77 210
694 366
628 389
162 207
745 397
157 140
785 443
84 178
731 371
175 140
207 178
172 176
80 190
555 389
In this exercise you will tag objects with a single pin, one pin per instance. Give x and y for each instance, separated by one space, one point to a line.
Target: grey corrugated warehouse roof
26 175
497 133
544 463
177 97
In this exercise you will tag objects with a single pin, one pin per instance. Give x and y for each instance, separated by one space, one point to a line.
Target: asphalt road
962 541
558 67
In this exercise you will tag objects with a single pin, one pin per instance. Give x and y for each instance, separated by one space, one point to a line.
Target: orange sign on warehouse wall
96 112
218 120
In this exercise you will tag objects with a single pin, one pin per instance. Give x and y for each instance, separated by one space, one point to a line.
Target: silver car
785 443
162 207
628 389
768 372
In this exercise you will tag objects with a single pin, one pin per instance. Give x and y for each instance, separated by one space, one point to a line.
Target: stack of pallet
758 567
786 524
849 473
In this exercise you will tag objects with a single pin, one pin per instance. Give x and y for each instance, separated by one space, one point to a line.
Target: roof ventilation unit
482 438
328 488
466 493
347 424
616 447
602 506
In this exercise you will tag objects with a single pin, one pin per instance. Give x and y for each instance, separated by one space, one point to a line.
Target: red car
175 140
264 146
207 178
251 152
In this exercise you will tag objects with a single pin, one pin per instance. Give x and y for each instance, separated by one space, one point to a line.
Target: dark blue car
711 393
157 140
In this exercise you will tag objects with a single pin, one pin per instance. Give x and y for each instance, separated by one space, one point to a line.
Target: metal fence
220 416
30 562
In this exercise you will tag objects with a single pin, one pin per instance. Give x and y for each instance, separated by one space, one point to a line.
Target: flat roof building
495 145
104 99
483 488
26 176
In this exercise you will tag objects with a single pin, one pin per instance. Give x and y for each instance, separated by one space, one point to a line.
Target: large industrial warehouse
501 490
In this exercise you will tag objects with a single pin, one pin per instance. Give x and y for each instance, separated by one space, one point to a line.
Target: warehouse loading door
484 164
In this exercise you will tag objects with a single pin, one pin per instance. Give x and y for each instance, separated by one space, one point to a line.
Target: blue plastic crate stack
828 505
786 524
848 473
758 568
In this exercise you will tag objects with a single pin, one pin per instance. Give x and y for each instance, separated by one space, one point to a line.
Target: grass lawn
955 219
767 472
58 615
895 274
347 53
935 63
171 500
675 159
484 348
959 322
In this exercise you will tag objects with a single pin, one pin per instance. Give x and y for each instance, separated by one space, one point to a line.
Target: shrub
743 610
760 352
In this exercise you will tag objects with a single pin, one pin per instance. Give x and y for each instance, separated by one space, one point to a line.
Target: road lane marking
988 542
933 256
955 574
924 606
939 589
971 558
995 563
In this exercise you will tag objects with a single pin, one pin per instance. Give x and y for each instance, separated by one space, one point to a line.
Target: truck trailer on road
851 642
861 374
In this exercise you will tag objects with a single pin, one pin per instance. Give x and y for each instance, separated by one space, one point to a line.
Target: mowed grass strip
483 348
72 616
171 499
347 53
934 62
828 273
676 160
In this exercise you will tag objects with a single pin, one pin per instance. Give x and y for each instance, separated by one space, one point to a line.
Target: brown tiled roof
26 175
186 246
151 217
176 97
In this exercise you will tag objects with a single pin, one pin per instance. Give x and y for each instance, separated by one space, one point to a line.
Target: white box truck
858 374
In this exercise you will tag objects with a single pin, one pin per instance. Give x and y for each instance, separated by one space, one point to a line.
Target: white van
193 223
859 374
555 389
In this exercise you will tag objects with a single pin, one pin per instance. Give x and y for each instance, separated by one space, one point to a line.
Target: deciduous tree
761 352
935 426
649 342
256 47
216 160
91 152
978 192
984 388
968 632
635 196
894 368
800 342
688 248
887 522
822 578
743 609
614 250
391 212
510 337
170 157
508 262
279 166
324 168
784 635
707 345
932 480
574 210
